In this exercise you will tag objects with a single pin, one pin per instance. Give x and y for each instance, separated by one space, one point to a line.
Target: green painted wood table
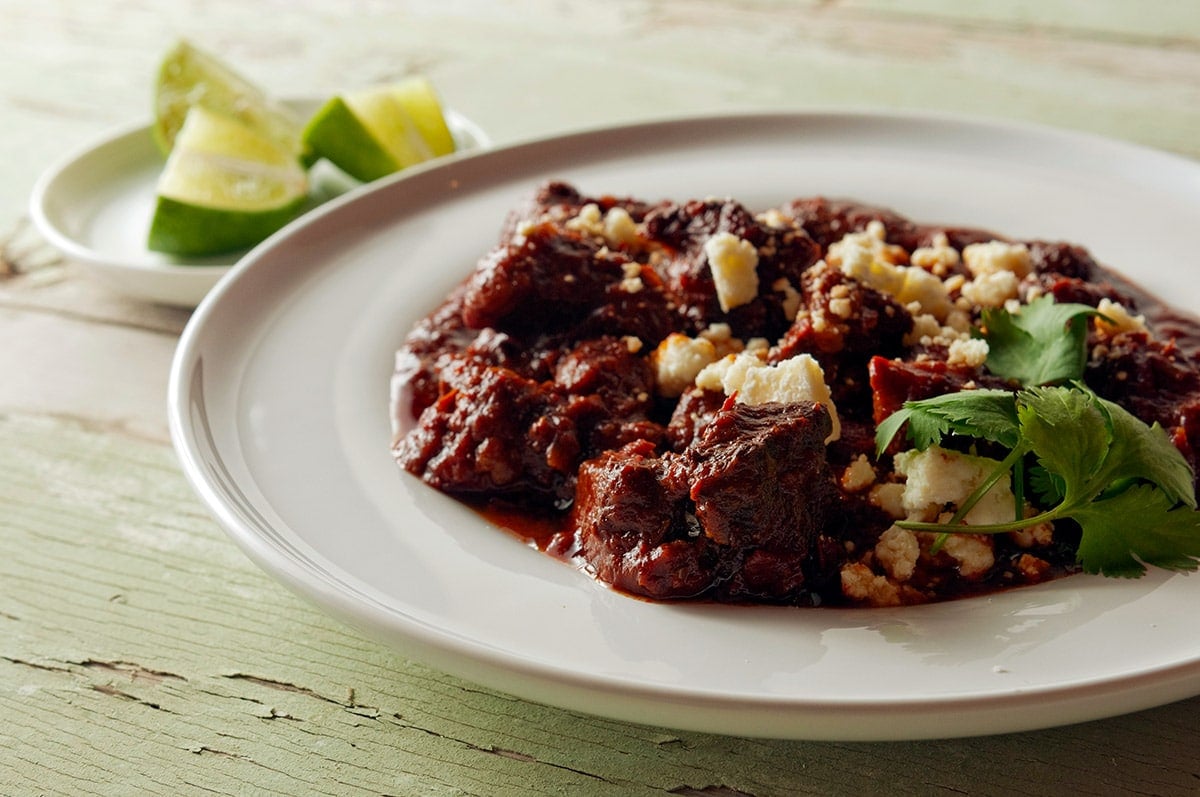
142 653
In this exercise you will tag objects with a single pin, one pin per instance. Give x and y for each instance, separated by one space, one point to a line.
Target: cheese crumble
734 264
994 256
754 382
1114 318
868 258
937 477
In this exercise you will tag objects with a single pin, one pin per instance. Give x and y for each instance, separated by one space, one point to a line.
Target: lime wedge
189 77
224 187
375 131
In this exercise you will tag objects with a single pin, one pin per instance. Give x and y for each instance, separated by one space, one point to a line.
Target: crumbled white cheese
587 221
678 359
937 477
959 321
858 475
615 228
971 352
754 382
632 283
973 552
619 227
839 301
994 256
774 218
791 297
897 552
869 260
889 497
1031 567
760 346
721 336
734 264
939 257
727 374
991 290
1028 537
1117 319
859 583
924 329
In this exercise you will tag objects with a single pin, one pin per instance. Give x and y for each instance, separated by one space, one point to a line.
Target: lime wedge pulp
224 187
379 130
188 77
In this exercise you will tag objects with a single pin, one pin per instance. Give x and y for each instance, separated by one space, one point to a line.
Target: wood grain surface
142 653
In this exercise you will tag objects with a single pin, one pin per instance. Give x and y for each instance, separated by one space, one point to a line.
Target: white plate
279 412
95 206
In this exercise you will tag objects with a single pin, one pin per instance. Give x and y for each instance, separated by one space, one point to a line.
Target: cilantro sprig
1043 344
1087 459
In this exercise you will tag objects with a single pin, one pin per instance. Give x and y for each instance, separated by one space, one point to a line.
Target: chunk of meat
739 513
783 255
553 282
843 324
494 433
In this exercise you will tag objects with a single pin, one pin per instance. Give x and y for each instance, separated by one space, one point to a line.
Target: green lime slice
188 77
379 130
224 187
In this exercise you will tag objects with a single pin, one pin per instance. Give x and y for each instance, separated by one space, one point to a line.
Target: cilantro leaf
1145 452
984 414
1045 343
1141 524
1046 486
1067 432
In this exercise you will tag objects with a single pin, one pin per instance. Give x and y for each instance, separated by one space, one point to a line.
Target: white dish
279 412
95 206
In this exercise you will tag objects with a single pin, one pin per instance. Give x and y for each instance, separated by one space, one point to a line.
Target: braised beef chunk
558 202
683 396
494 433
1062 259
737 513
827 221
1073 290
621 386
783 255
694 411
550 281
1154 380
844 325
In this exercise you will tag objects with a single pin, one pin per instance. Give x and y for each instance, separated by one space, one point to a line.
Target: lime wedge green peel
189 77
379 130
224 187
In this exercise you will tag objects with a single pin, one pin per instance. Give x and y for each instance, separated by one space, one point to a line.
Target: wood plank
109 376
140 652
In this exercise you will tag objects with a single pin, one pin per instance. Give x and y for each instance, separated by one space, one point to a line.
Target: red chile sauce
535 400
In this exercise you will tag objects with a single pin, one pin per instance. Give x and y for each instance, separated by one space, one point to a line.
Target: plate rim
1173 680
